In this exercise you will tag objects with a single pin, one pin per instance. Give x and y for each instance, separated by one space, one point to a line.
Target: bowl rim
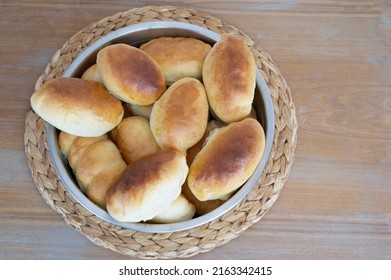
63 169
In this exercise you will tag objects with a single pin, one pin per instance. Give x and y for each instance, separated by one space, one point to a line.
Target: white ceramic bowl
135 35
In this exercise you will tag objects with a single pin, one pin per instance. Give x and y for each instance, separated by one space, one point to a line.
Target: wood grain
335 56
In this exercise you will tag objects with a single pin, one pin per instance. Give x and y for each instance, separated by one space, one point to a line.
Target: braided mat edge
185 243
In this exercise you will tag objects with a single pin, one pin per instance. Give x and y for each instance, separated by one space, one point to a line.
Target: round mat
189 242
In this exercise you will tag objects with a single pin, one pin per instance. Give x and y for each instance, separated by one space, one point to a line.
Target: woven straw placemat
183 243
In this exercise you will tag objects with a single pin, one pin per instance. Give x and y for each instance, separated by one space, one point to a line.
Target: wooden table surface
336 58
